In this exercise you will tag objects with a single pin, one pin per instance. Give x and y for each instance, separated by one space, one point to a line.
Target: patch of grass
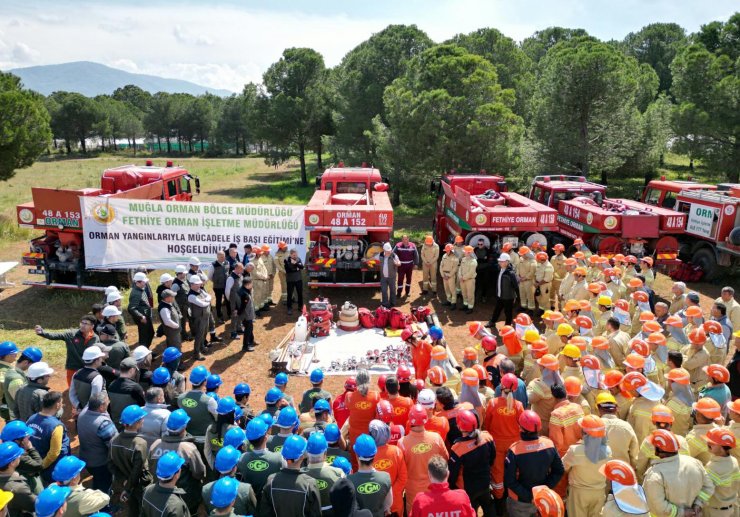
677 167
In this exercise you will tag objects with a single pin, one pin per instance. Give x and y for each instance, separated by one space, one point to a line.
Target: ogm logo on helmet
368 488
364 405
383 464
421 448
187 402
321 484
258 465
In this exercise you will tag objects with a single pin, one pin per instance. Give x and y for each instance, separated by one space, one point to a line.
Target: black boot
500 504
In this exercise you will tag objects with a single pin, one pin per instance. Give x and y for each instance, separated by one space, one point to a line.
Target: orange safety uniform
564 431
361 412
390 459
451 416
435 424
418 448
421 358
401 406
502 424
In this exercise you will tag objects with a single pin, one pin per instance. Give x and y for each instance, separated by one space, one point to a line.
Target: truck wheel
705 258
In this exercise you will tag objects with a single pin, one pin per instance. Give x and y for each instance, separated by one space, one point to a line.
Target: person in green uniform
318 469
373 487
245 502
316 392
164 497
258 463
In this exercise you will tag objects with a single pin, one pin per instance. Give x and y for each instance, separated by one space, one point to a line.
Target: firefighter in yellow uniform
279 260
626 498
663 418
582 461
448 270
260 279
706 411
544 273
429 257
675 483
734 426
559 273
270 266
525 272
567 282
466 276
579 289
723 471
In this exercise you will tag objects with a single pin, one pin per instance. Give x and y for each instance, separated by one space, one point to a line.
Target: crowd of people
595 398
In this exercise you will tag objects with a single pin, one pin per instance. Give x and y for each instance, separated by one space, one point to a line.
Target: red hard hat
350 384
509 381
488 343
419 383
381 382
406 333
384 409
403 373
417 415
466 421
530 421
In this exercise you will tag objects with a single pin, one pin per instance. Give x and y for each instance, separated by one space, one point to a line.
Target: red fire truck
59 253
348 219
609 226
479 206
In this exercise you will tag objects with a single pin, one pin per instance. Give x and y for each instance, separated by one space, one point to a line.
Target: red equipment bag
420 313
399 320
381 317
367 318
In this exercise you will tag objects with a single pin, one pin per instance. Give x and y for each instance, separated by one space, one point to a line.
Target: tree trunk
84 147
603 177
237 146
396 196
319 164
159 143
244 145
169 146
302 155
68 146
102 144
190 145
202 147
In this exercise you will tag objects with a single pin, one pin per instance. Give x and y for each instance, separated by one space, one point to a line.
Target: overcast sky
226 44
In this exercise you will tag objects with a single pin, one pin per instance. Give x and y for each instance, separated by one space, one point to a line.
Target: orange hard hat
570 262
449 247
523 251
721 436
651 326
538 348
469 353
674 321
635 282
679 376
549 361
647 260
584 305
475 327
458 238
506 331
717 372
591 362
436 375
468 249
580 271
622 305
617 271
710 408
712 327
693 312
573 386
558 247
523 319
578 241
609 272
646 316
265 248
594 288
594 259
631 259
584 322
481 371
579 255
282 245
572 305
633 380
664 440
600 343
592 425
618 257
536 245
619 471
469 377
640 347
698 336
656 338
541 256
640 296
428 239
439 353
661 413
547 502
635 361
579 341
506 247
734 406
554 316
613 378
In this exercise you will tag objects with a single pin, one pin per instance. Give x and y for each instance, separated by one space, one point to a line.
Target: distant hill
93 79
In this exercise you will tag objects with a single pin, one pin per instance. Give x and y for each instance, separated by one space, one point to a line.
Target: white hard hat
111 310
141 277
140 352
194 261
504 256
387 247
111 289
39 369
113 297
166 277
91 353
426 398
195 279
180 269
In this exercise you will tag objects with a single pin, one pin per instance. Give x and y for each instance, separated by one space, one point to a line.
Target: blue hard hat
198 375
257 428
67 468
226 405
287 417
161 376
343 463
238 412
213 395
365 447
267 417
213 381
242 389
51 499
7 348
224 492
169 464
281 379
435 332
332 433
317 443
15 430
178 420
316 376
132 414
226 459
101 514
171 354
321 406
8 452
273 395
33 353
235 437
294 447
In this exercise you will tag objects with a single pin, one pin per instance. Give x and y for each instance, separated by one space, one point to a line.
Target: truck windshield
570 194
351 187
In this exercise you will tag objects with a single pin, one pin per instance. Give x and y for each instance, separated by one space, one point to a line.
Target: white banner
702 220
125 233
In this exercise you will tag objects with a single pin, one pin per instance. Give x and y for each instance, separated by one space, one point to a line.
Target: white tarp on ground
340 346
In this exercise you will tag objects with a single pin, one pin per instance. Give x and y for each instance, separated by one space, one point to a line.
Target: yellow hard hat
605 300
5 498
531 335
564 329
571 351
605 398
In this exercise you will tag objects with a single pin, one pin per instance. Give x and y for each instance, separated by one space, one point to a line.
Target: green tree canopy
24 126
657 44
537 45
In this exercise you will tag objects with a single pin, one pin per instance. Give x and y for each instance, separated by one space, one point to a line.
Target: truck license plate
36 272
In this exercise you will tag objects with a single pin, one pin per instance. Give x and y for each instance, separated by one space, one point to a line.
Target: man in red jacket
439 500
